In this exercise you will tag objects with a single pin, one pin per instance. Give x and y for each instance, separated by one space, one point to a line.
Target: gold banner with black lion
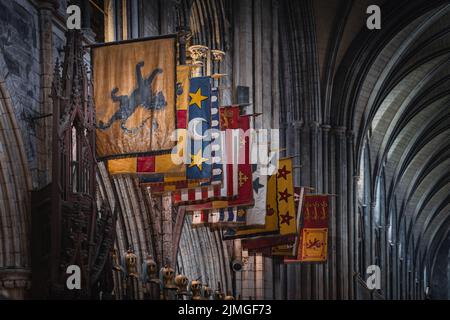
134 95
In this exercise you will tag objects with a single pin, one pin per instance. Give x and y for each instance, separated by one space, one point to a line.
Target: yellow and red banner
285 198
313 245
134 95
289 247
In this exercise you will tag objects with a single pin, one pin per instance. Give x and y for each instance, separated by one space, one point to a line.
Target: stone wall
20 64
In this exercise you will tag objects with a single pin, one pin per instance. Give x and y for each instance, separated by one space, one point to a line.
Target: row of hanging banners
157 122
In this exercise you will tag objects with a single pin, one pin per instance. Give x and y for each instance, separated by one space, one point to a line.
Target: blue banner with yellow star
199 156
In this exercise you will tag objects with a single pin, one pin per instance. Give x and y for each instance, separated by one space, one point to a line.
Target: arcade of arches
366 111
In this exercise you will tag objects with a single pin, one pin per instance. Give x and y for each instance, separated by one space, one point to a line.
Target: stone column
334 232
341 211
325 129
46 10
351 213
167 227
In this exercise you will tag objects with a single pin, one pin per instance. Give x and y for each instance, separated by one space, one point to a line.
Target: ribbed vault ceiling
401 111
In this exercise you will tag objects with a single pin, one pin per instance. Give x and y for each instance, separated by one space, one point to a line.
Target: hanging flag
239 171
256 215
271 219
120 166
313 245
233 210
196 195
229 122
298 198
193 152
244 167
277 244
289 248
285 198
174 171
134 95
210 190
226 216
199 152
229 126
162 164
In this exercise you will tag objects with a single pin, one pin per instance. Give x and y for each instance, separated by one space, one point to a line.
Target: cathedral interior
364 113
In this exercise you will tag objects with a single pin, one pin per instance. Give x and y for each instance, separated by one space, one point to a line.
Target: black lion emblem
141 96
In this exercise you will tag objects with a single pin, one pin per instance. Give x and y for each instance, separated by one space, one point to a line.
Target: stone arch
15 186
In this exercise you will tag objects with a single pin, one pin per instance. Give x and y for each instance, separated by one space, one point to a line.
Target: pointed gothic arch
15 186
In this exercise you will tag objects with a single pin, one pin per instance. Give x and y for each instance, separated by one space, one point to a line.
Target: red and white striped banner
191 196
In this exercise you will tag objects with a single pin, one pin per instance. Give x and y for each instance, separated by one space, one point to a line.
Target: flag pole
253 114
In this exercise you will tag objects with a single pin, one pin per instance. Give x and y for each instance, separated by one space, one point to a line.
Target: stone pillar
314 131
44 125
167 227
333 230
325 129
156 227
351 213
341 211
259 276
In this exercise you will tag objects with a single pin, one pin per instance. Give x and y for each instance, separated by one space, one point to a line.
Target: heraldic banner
314 234
134 95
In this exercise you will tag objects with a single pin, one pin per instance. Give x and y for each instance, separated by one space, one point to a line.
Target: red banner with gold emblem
314 232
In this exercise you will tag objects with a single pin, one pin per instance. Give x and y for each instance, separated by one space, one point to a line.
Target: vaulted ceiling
396 99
